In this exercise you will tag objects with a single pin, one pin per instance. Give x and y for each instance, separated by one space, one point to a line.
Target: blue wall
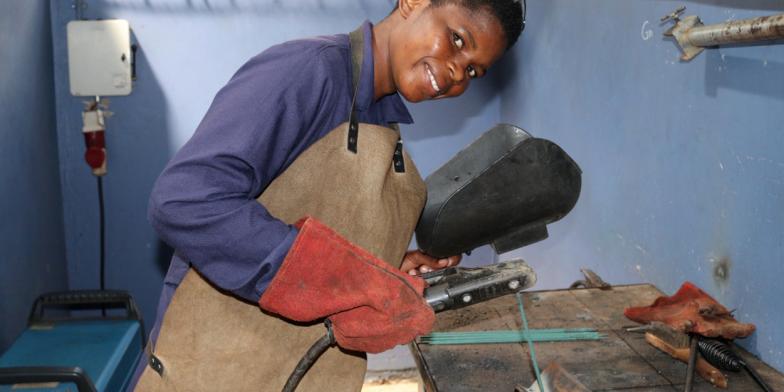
683 163
188 50
32 260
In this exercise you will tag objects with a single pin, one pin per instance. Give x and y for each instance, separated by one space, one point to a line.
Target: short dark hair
510 13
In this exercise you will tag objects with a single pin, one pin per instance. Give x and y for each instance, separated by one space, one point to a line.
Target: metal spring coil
719 354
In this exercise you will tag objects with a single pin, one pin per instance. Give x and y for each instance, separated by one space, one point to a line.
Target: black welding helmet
502 190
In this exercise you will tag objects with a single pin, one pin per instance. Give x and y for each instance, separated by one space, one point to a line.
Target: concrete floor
406 380
403 386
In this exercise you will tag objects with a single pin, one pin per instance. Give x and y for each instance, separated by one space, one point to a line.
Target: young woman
294 202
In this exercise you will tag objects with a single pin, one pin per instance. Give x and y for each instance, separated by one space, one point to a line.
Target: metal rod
692 363
747 30
531 350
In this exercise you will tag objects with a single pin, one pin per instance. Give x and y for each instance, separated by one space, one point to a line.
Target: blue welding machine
87 341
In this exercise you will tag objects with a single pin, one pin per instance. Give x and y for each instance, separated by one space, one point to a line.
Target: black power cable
102 239
310 358
102 229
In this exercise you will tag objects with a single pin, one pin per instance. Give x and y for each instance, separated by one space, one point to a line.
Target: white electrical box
99 57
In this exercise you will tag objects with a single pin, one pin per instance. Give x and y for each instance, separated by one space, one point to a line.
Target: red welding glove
373 306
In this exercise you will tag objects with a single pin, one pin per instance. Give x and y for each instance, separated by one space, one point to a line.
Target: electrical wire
310 358
102 235
101 240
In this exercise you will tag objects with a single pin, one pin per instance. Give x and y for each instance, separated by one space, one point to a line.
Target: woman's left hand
415 262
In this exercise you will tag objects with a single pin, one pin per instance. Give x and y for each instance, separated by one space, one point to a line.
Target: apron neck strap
357 44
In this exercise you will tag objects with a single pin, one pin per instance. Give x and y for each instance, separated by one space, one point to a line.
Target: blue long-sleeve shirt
277 105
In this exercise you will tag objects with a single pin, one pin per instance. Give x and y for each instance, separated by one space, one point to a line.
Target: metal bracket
592 281
673 16
680 30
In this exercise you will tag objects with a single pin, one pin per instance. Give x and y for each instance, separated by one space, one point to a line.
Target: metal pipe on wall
693 36
757 29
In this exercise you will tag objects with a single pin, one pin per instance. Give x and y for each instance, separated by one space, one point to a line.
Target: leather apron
351 180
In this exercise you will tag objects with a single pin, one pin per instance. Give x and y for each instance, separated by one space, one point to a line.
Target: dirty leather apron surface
212 341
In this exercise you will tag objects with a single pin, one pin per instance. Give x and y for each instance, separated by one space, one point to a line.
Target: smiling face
438 49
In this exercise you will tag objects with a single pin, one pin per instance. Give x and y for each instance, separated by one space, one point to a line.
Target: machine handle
84 299
38 374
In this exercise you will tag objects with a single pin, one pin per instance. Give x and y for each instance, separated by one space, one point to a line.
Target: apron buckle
156 364
397 158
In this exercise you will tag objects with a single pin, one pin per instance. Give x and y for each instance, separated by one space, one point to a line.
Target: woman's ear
406 7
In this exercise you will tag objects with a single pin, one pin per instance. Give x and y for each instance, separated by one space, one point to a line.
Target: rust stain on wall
721 271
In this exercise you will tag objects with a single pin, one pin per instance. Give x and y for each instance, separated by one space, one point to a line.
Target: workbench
623 361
